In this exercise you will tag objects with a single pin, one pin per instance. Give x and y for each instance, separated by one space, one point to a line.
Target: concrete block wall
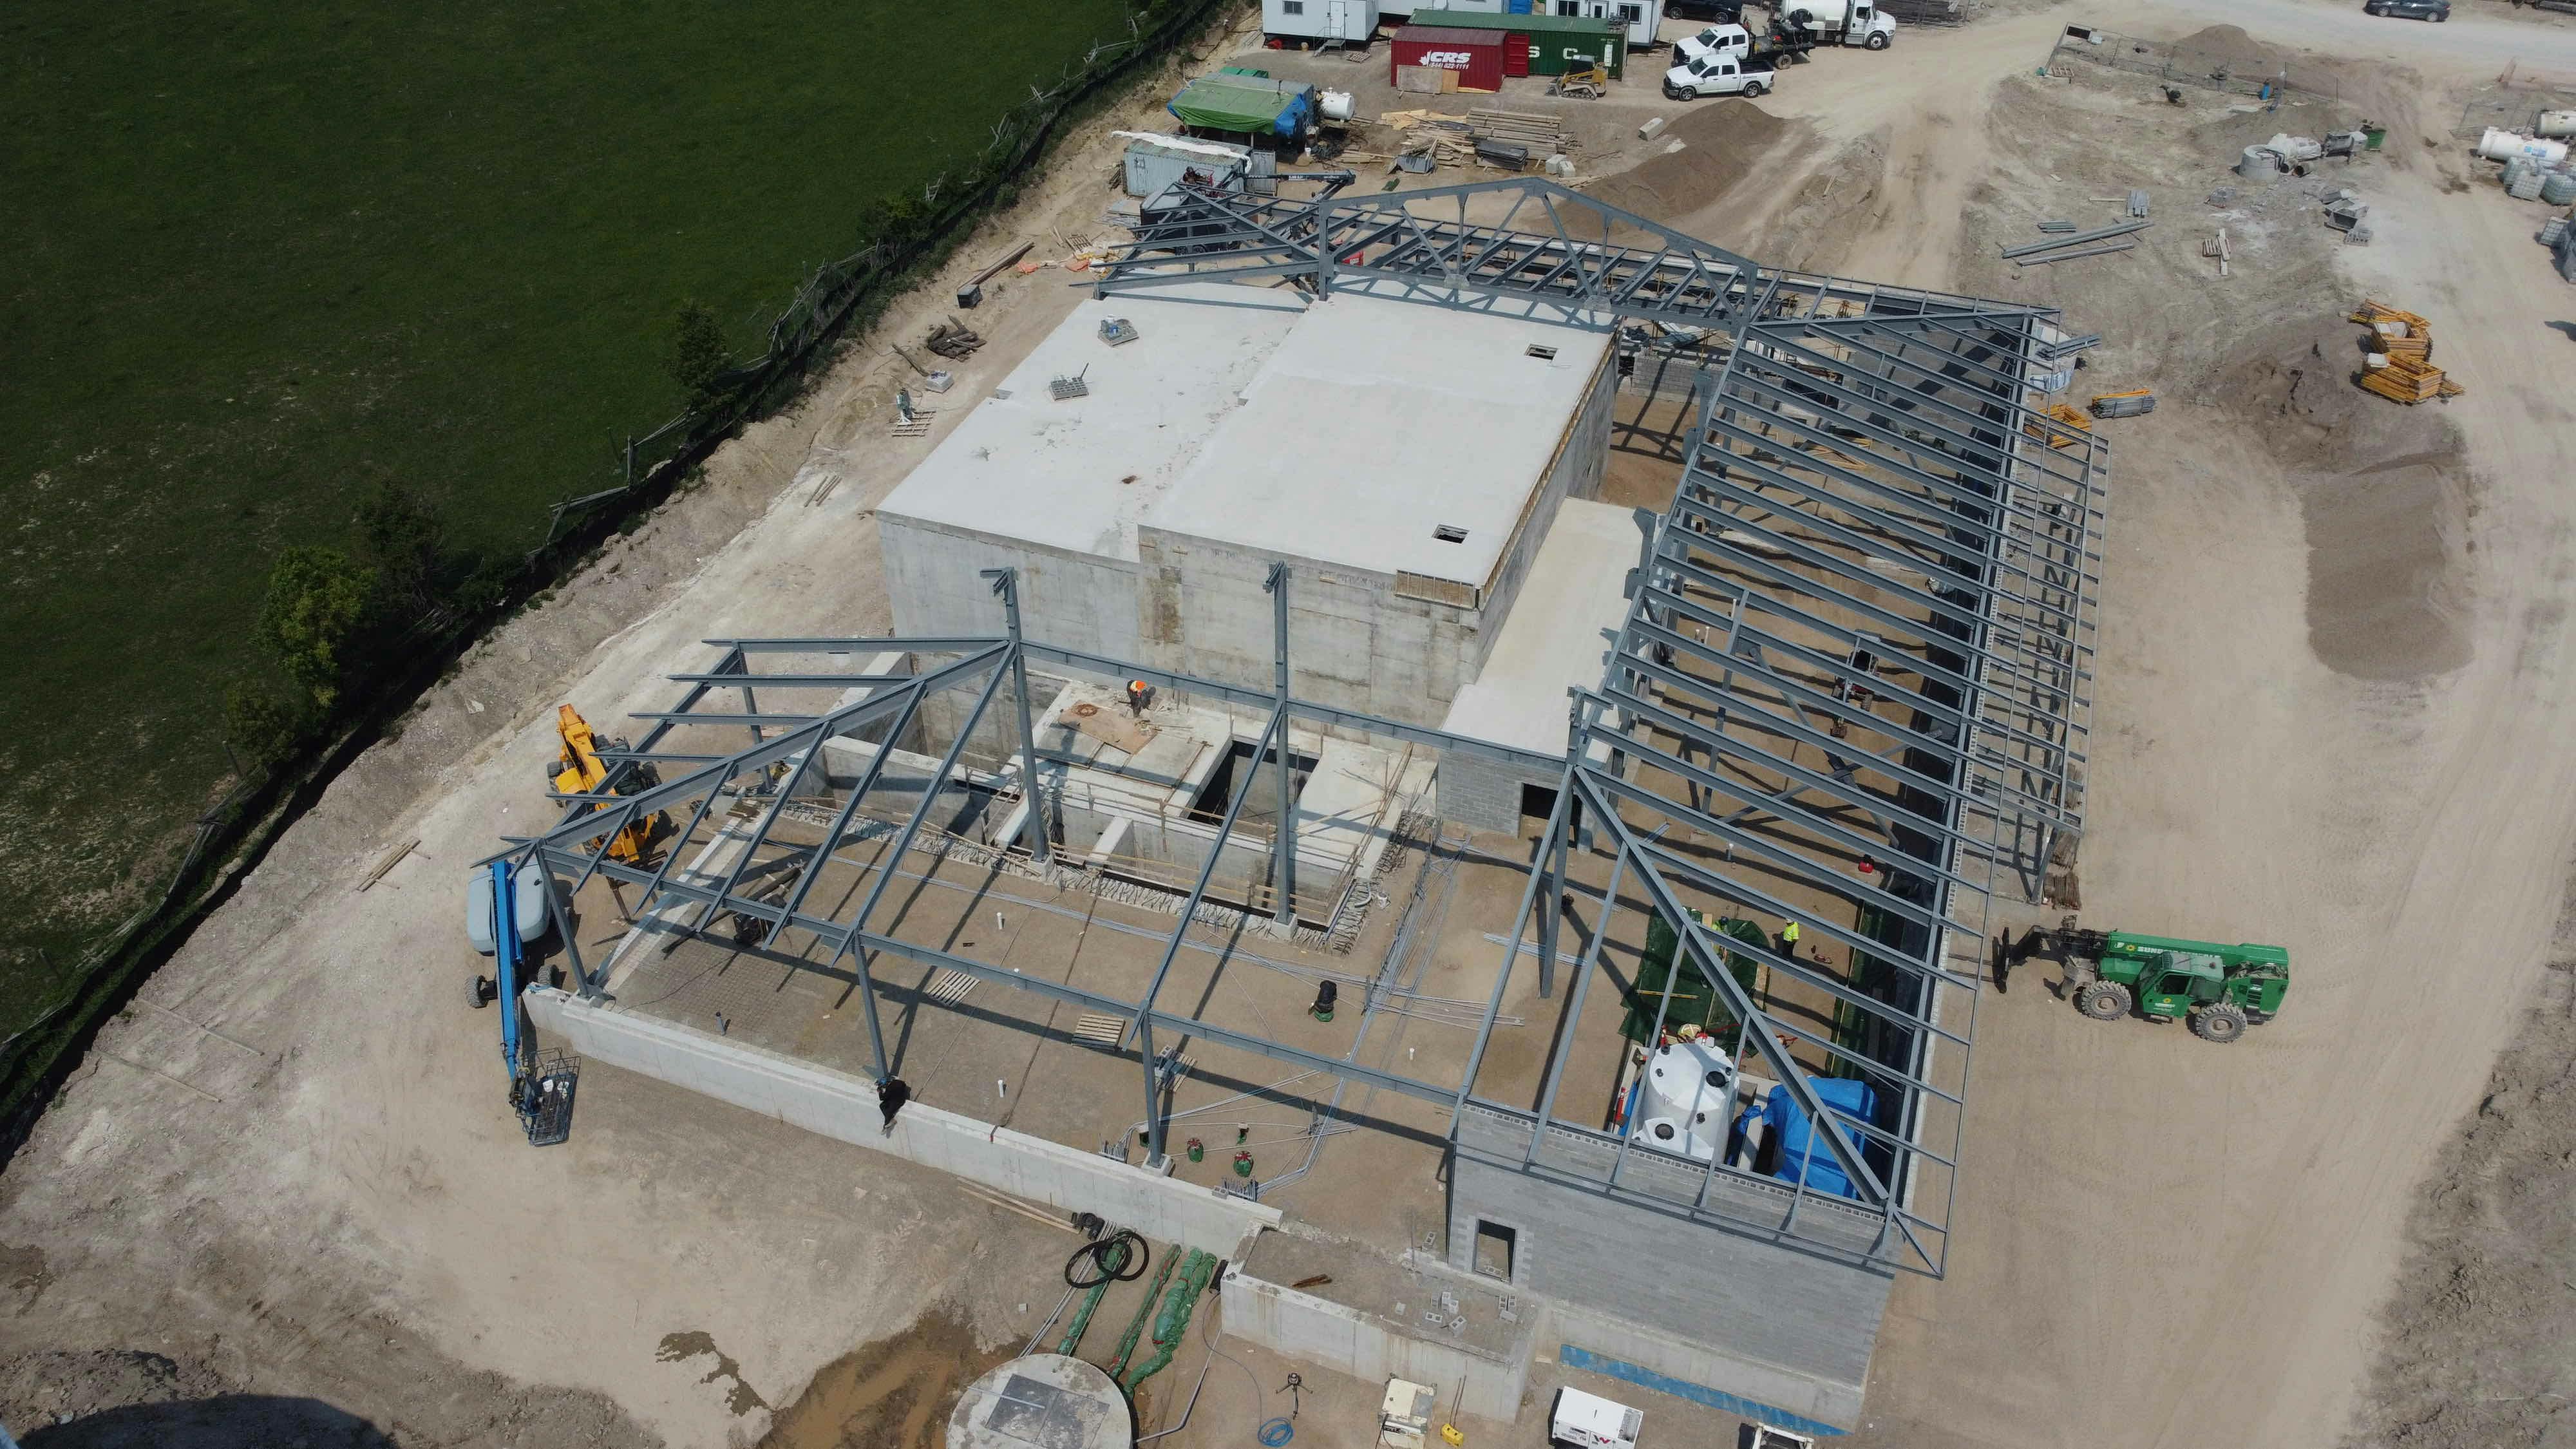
1483 793
844 1108
1371 1350
1773 1325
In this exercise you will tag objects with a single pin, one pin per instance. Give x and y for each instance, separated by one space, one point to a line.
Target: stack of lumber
2401 368
1542 133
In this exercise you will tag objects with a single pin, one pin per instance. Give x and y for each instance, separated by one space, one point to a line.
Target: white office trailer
1318 22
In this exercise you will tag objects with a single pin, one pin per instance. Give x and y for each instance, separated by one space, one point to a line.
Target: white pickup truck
1719 75
1716 40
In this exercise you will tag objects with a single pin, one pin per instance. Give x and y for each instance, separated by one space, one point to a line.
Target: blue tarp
1799 1151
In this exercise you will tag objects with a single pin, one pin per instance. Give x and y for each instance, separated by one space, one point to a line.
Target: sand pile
1721 143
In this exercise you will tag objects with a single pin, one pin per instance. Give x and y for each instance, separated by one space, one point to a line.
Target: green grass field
264 258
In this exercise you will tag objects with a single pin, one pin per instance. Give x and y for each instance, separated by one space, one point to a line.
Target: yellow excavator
579 771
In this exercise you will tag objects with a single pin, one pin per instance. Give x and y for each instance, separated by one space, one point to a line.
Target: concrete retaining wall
1365 1347
844 1108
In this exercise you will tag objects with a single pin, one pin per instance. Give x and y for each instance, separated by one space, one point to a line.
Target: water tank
1689 1092
2498 145
2561 124
1043 1401
2558 188
1337 105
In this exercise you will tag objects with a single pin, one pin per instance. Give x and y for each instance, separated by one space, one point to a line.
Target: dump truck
2219 989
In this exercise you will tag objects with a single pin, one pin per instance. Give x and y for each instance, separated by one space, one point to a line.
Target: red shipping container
1476 55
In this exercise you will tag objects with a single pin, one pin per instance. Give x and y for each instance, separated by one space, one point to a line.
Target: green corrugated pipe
1091 1298
1173 1322
1136 1326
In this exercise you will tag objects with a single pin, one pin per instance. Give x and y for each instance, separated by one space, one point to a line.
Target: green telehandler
2219 989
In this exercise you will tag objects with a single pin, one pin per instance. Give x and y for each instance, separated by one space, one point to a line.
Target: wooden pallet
1109 1033
951 985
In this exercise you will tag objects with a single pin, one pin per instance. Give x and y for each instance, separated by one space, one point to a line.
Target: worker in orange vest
1137 694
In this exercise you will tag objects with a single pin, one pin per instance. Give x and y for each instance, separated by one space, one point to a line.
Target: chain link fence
2511 106
2235 72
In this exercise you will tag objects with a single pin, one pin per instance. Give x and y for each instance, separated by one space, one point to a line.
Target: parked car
2409 9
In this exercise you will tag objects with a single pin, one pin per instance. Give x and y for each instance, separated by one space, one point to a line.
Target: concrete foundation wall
1081 601
1367 1348
844 1108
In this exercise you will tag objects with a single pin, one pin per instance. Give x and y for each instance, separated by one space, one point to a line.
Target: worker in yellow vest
1789 939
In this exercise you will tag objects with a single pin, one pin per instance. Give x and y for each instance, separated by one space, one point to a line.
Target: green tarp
1246 104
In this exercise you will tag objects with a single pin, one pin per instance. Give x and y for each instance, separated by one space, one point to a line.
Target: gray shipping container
1157 162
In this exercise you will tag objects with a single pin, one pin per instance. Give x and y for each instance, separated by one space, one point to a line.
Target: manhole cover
1085 711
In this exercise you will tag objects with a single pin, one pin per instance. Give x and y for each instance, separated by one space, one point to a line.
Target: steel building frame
1879 553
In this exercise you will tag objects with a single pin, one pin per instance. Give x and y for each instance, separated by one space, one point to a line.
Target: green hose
1172 1324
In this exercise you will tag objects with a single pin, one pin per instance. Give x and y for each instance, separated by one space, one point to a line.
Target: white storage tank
2498 145
1688 1094
2561 124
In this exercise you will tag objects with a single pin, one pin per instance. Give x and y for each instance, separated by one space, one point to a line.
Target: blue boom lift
541 1085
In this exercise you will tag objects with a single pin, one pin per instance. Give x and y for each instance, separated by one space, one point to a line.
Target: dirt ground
283 1199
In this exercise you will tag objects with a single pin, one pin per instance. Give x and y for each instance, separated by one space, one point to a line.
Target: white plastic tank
1044 1400
2498 145
2561 124
1337 105
2259 163
1689 1092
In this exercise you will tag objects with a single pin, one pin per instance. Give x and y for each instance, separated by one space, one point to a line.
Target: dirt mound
2228 48
1721 143
2383 492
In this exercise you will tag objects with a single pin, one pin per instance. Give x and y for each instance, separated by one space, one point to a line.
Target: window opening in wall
1449 533
1538 800
1261 797
1495 1245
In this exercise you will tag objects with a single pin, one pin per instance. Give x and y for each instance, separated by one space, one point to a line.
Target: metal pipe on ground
2076 240
2120 246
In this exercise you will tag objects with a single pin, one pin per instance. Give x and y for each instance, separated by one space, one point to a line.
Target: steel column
1034 825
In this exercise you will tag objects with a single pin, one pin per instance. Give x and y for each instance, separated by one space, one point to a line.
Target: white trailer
1587 1421
1835 22
1639 18
1319 22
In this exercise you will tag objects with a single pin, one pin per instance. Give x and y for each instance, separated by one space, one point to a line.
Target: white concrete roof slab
1027 467
1577 588
1375 422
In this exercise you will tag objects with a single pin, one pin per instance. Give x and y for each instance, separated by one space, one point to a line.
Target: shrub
265 725
317 599
404 537
698 354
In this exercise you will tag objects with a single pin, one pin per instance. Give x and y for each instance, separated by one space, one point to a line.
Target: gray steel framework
1851 691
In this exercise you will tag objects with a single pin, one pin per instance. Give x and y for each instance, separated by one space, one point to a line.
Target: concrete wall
1772 1325
1573 471
1081 601
1368 1348
844 1108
